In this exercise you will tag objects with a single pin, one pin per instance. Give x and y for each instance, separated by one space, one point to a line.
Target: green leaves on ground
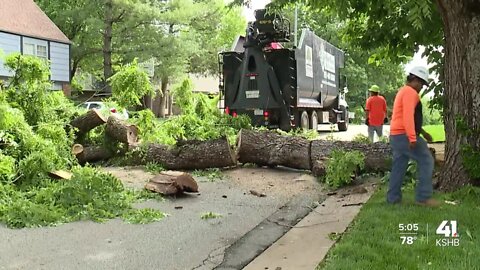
210 215
200 120
211 174
35 139
342 167
143 216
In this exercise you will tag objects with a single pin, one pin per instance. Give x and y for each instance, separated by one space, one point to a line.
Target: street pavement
180 241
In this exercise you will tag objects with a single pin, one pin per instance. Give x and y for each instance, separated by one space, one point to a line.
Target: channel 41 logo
448 228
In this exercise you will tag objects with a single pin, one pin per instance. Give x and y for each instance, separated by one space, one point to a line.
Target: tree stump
121 131
268 148
88 121
86 154
171 183
187 155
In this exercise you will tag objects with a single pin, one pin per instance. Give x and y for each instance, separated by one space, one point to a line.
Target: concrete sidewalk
307 243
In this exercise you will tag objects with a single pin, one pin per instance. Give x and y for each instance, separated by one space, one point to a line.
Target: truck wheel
343 126
304 121
314 121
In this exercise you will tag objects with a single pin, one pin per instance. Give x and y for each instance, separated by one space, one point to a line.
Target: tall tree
444 27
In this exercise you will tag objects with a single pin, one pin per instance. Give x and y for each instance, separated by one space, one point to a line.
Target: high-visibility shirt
377 108
407 115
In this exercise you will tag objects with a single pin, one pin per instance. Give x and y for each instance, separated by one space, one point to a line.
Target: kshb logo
448 228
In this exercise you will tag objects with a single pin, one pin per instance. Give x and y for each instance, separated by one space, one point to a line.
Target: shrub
341 166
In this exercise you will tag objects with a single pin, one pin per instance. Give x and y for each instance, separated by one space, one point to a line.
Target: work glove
366 122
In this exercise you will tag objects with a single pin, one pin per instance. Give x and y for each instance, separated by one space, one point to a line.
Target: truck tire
343 126
314 121
304 121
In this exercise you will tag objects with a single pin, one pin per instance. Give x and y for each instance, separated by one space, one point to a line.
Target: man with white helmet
406 143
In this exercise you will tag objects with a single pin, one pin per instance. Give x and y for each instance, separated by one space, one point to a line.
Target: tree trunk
170 104
163 97
461 21
86 154
88 121
171 182
378 155
107 43
272 149
187 155
121 131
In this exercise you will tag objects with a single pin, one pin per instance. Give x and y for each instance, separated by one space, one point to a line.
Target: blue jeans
375 129
401 155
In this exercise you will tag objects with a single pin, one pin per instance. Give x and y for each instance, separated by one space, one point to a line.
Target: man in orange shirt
406 143
376 108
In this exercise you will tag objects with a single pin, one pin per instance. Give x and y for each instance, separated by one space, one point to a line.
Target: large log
86 154
88 121
171 182
121 131
268 148
377 155
187 155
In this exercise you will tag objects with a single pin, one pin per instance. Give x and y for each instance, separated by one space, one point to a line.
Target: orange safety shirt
407 115
377 108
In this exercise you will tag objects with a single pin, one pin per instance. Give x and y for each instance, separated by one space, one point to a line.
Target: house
25 28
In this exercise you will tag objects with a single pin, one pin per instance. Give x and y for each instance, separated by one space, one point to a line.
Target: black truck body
283 88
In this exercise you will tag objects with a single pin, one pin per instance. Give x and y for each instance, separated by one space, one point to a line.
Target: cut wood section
268 148
86 154
60 174
171 183
121 131
378 155
88 121
187 155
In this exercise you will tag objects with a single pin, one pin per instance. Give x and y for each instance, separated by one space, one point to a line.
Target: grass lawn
437 132
373 240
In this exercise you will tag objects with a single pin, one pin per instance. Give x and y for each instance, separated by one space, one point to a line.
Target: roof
24 17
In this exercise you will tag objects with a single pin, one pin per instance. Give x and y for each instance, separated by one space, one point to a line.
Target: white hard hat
420 72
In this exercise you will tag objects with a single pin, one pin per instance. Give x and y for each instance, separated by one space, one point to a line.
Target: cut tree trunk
86 154
461 23
378 155
121 131
172 182
187 155
88 121
272 149
268 148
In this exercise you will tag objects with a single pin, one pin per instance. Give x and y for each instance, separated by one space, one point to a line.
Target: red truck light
234 114
227 110
265 115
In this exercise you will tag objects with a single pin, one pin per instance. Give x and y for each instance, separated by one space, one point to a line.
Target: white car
123 114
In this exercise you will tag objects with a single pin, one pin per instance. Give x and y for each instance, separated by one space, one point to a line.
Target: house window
35 50
42 51
29 49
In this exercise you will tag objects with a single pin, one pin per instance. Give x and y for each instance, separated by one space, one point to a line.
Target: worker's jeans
401 155
372 130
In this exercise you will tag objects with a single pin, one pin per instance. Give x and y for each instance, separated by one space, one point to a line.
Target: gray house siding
57 53
9 43
60 62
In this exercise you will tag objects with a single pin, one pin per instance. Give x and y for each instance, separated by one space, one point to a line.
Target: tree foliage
129 85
